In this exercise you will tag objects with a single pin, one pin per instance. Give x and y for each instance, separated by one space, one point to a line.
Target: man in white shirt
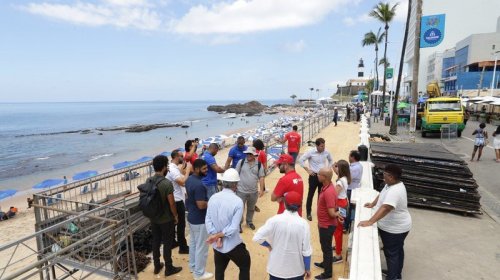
356 170
392 218
317 159
178 174
288 238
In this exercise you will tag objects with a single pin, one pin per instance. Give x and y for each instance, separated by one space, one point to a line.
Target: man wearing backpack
163 225
251 173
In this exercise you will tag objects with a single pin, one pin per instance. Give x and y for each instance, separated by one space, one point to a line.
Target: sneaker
323 276
183 250
336 259
206 275
172 270
252 226
257 209
159 268
309 217
319 265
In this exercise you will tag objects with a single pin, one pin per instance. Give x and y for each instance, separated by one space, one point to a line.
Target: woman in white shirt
496 143
343 172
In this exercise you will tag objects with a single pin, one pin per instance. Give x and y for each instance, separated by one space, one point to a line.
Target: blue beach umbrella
6 193
48 183
122 164
167 154
85 175
142 159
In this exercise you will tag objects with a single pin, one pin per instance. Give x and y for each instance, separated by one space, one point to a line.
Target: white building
463 18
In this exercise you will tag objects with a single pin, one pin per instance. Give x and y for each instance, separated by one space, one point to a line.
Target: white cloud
124 14
295 46
246 16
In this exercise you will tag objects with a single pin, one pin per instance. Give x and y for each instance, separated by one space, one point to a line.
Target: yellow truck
438 110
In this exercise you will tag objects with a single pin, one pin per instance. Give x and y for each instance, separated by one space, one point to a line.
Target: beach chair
85 189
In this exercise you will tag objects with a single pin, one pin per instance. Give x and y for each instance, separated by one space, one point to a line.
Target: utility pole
416 64
480 85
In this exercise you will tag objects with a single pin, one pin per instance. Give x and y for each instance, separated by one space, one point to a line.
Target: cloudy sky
106 50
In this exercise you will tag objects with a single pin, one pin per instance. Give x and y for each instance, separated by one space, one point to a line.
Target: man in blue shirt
196 204
223 219
236 153
356 174
210 181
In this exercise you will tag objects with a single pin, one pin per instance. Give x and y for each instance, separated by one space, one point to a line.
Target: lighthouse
361 68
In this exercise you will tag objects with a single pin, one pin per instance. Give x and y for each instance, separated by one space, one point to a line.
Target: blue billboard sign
432 30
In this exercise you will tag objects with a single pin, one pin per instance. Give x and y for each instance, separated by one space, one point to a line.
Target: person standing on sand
190 147
341 168
294 141
288 238
163 227
177 175
335 116
317 159
328 215
393 220
224 213
251 174
210 181
236 153
291 181
196 203
262 158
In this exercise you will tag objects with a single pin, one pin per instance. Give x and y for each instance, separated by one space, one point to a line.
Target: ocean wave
42 158
99 156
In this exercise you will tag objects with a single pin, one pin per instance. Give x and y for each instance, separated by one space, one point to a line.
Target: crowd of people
216 209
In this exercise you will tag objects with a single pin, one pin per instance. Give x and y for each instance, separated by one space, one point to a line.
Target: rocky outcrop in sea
250 108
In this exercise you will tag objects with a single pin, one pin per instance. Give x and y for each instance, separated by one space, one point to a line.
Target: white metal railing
365 253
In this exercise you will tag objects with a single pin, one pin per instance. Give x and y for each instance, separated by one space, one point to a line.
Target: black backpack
259 164
150 201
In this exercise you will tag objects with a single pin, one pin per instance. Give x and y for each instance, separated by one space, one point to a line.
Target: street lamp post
493 85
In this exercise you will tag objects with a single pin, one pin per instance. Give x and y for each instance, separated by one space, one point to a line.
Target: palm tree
293 96
394 128
374 39
384 13
382 61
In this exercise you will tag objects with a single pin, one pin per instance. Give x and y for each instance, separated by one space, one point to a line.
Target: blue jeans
198 249
294 278
211 190
393 252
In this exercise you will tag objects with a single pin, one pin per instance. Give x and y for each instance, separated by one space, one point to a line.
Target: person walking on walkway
291 181
251 185
376 114
162 227
318 159
496 143
294 141
210 180
288 238
224 213
196 203
393 219
335 116
341 168
479 141
328 215
236 153
177 175
356 171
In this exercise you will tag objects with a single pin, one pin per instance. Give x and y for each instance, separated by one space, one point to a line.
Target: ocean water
32 146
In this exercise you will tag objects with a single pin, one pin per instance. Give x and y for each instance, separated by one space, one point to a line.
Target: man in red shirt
290 182
328 215
190 154
294 140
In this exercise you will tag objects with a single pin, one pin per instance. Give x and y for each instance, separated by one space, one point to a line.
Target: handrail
365 253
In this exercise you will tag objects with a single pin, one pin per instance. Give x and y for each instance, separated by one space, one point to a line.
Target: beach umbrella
85 175
167 154
6 193
402 105
143 159
48 183
122 164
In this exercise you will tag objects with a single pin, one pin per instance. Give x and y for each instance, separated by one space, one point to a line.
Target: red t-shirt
290 182
194 156
262 158
293 139
327 199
